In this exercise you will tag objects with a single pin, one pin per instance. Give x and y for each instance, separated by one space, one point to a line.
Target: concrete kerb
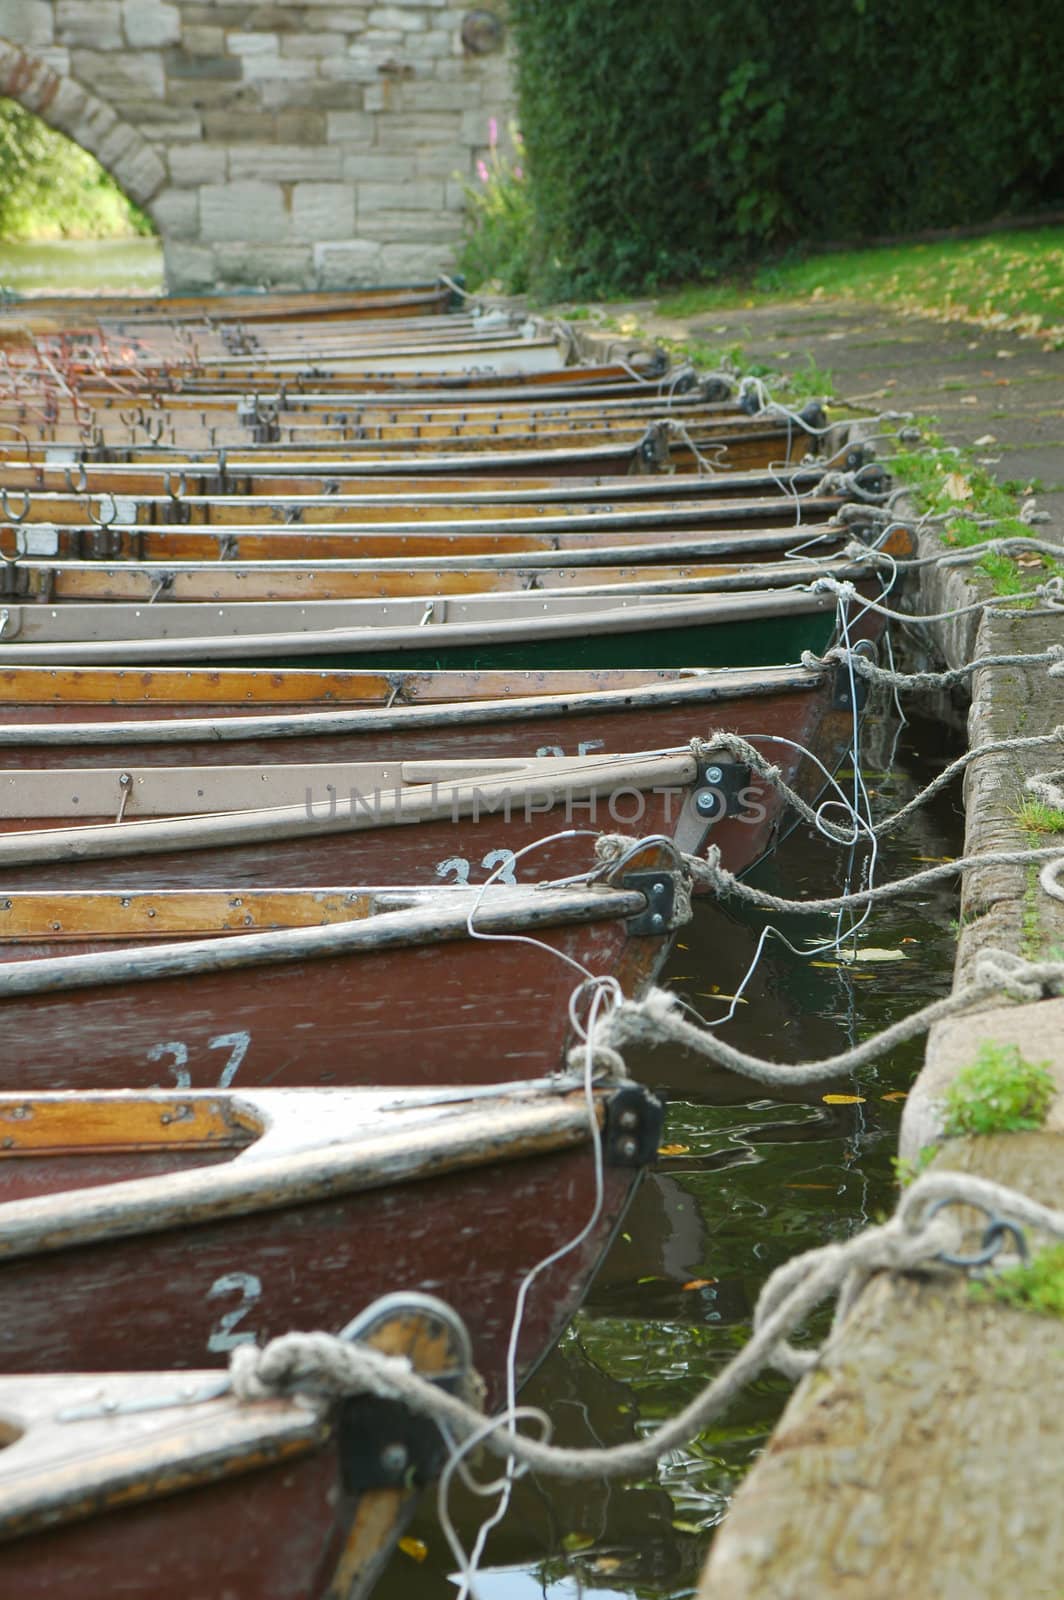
907 1460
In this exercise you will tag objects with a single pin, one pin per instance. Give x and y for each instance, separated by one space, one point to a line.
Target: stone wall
317 144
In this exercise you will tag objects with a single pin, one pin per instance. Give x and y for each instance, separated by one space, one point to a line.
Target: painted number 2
459 867
223 1335
236 1043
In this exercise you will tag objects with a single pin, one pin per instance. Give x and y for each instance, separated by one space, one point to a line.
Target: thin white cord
604 990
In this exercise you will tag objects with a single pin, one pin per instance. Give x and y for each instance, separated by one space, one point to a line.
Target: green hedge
674 140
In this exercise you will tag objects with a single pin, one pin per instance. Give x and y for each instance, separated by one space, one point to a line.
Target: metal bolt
394 1459
628 1119
657 921
713 774
628 1149
658 888
706 803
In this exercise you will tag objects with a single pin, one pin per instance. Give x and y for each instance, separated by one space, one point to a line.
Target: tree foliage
674 141
52 189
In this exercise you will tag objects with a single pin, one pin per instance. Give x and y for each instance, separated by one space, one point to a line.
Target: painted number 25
236 1043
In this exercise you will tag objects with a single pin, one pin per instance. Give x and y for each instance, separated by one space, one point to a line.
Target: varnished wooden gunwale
251 689
90 313
719 531
225 582
218 478
389 422
593 383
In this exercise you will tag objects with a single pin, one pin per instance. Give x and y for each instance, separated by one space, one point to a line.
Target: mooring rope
1050 594
657 1019
743 751
1052 658
962 556
717 878
919 1235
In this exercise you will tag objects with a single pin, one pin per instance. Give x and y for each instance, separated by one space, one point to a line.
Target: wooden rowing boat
204 488
164 1486
638 569
304 988
70 718
160 1230
604 451
519 631
310 827
750 530
88 314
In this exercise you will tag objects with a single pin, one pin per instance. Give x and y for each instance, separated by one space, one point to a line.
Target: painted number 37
236 1043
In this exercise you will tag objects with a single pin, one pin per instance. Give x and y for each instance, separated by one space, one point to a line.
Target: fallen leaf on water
416 1549
674 1149
699 1283
896 1094
809 1186
871 952
687 1527
843 1099
577 1541
907 938
833 965
606 1563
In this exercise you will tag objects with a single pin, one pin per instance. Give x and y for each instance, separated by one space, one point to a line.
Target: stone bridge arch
319 143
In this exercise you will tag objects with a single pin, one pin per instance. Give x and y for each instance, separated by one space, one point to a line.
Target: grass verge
1013 280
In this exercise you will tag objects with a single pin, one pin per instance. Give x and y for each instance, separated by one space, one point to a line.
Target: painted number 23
503 860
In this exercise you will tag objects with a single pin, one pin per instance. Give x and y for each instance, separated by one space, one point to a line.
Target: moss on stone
1000 1092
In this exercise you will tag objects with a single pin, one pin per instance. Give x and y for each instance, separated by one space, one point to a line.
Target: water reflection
82 266
752 1180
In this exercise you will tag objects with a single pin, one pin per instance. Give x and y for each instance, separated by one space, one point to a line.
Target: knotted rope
915 1238
712 875
659 1019
1052 658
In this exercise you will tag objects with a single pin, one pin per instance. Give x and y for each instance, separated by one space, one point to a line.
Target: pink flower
482 171
493 132
519 173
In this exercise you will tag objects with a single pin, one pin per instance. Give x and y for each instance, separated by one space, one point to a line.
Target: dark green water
759 1180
